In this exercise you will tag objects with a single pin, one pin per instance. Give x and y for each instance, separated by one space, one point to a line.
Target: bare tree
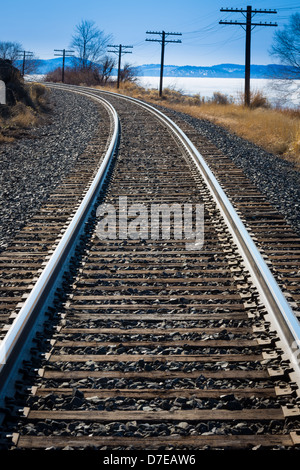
10 51
286 48
105 68
128 73
13 51
89 43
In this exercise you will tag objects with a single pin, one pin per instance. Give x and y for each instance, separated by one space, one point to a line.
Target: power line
163 42
248 26
289 7
63 54
211 27
119 51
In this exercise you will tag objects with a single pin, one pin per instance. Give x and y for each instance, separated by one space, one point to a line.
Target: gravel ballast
32 167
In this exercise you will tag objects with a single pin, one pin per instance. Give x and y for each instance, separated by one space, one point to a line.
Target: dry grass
268 128
22 118
275 130
4 139
39 95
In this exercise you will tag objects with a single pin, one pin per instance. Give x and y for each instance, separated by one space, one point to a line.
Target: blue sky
42 27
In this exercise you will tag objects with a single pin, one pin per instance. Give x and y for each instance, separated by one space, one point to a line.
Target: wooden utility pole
26 54
163 42
119 51
63 54
248 26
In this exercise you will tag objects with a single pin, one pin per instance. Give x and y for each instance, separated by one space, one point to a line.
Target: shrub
196 100
220 98
258 100
75 76
23 116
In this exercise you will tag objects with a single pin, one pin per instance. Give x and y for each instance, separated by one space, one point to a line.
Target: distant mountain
153 70
45 66
214 71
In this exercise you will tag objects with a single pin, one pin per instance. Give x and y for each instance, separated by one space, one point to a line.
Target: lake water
233 87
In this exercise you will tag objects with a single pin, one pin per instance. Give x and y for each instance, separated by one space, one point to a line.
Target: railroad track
150 342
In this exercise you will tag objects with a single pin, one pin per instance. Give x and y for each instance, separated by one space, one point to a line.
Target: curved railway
141 342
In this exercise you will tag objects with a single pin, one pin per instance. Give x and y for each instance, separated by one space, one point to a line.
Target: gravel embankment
31 168
276 178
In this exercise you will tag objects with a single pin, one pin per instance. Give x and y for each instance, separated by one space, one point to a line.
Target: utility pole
163 42
248 26
26 54
63 54
119 51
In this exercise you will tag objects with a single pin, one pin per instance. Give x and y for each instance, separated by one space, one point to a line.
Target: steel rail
45 285
280 312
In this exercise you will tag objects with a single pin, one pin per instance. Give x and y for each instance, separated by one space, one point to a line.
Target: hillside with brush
27 104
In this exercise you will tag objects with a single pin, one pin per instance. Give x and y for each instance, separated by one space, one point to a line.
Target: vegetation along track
143 342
